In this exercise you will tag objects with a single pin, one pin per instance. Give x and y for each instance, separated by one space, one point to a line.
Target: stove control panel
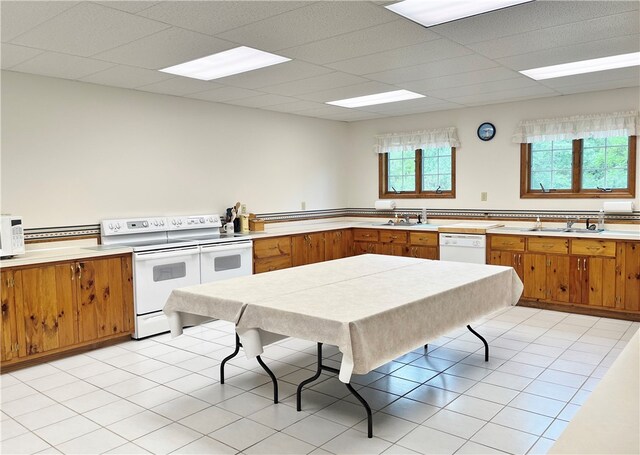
133 226
175 223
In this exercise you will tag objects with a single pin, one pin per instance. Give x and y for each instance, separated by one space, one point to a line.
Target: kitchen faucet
570 222
405 216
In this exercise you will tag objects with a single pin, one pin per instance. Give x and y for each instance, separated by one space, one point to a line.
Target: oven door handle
225 247
171 254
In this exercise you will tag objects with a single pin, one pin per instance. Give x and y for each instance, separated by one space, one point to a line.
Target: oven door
225 260
159 272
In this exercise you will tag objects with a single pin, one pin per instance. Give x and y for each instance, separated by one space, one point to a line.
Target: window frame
576 190
383 178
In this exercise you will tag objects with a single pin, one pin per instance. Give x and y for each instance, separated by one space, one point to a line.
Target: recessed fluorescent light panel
584 66
434 12
226 63
378 98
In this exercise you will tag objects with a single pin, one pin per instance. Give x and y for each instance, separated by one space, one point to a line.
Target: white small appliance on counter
173 252
11 236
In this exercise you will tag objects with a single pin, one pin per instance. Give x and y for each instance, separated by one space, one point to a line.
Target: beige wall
481 166
75 153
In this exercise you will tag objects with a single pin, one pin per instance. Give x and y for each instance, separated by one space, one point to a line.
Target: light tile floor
163 395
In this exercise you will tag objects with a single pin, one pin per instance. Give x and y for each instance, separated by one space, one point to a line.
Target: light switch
483 196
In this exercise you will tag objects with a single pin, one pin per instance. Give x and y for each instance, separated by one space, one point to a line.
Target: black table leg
486 345
260 361
319 368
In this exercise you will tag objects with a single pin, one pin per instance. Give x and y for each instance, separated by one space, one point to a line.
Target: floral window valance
399 142
578 127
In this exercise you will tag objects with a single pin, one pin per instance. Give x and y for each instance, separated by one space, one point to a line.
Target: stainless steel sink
412 224
574 230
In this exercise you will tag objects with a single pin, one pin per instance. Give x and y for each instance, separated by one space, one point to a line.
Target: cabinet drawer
423 238
594 247
507 242
273 263
389 236
548 245
277 246
367 235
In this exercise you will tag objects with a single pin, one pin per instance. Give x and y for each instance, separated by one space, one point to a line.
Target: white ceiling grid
339 49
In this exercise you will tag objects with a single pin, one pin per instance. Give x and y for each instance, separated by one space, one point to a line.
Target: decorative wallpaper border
93 230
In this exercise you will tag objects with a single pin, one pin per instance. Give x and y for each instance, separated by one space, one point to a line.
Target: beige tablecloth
373 308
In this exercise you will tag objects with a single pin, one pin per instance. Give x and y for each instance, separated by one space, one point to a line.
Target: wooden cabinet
11 348
52 308
338 244
628 276
307 248
105 303
593 281
366 248
573 273
47 307
271 254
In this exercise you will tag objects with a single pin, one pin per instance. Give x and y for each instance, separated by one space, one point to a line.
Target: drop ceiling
339 49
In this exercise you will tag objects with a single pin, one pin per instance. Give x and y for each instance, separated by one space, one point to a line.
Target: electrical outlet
483 196
303 205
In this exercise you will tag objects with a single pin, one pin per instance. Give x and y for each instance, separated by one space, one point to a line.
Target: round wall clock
486 131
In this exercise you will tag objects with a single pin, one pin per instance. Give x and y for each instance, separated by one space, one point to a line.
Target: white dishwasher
463 248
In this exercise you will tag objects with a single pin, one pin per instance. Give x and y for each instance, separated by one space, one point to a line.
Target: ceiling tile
600 85
295 106
132 7
87 29
461 79
417 104
574 53
315 84
213 17
504 96
484 87
547 38
179 86
222 94
276 74
126 76
351 91
430 51
419 109
371 40
527 17
61 65
591 78
464 64
20 17
338 113
166 48
262 101
314 22
12 55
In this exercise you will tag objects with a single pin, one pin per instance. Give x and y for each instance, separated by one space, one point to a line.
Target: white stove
173 252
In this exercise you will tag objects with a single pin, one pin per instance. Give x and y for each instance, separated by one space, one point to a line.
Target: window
423 173
589 167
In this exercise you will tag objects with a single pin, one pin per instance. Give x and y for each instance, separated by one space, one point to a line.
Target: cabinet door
103 304
307 249
272 247
628 282
422 252
365 248
508 259
578 280
392 249
601 278
535 276
336 246
46 309
10 345
558 277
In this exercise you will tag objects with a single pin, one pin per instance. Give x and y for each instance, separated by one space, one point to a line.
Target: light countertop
72 250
